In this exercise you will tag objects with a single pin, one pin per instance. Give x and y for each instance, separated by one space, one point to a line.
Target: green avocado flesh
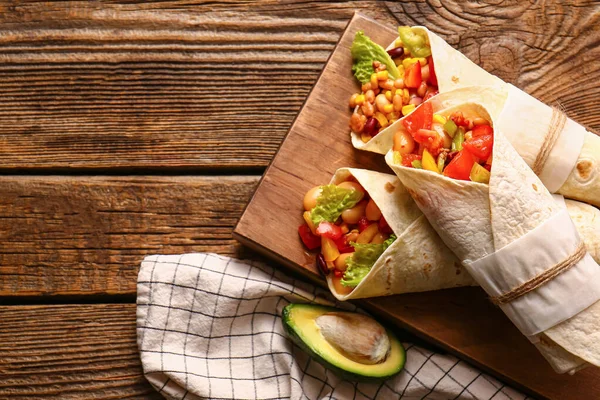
299 322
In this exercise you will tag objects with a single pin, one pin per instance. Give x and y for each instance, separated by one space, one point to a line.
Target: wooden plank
462 321
87 235
71 352
205 85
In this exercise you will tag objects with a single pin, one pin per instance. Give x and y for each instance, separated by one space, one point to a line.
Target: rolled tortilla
573 165
477 220
418 260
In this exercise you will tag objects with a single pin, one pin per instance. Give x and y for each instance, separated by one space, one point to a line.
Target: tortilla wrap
573 165
477 220
418 260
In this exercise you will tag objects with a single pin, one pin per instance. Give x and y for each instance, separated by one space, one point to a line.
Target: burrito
561 152
373 240
496 216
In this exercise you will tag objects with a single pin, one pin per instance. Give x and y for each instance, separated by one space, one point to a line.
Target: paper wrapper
418 260
573 166
477 220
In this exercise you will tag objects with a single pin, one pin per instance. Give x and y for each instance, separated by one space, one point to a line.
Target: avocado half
299 321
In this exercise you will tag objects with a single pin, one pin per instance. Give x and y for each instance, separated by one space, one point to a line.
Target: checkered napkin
209 327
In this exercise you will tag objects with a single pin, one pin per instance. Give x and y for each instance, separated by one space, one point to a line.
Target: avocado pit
358 337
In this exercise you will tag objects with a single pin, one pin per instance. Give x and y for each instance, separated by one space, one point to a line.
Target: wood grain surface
87 235
71 352
194 87
471 328
206 85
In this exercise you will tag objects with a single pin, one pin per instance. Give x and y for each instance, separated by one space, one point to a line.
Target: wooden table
136 128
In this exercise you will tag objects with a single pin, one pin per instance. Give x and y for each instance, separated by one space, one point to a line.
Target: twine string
557 124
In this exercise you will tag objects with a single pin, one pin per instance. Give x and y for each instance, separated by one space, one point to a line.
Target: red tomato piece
384 227
482 130
311 241
419 119
337 273
329 230
343 245
460 166
432 76
363 223
407 159
480 146
412 78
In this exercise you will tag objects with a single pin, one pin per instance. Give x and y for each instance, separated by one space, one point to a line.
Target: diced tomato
482 130
343 245
459 119
430 140
432 76
488 167
430 94
480 146
412 78
460 166
337 273
407 159
363 223
384 227
311 241
329 230
419 119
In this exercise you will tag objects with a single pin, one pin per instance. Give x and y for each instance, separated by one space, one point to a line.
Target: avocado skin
342 373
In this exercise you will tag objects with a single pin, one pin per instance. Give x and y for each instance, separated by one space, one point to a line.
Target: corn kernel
374 81
388 95
398 42
407 62
381 118
360 99
408 109
365 137
398 62
422 61
405 96
382 75
439 119
406 51
388 108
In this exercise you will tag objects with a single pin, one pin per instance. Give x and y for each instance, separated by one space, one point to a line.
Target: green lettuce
331 202
364 52
362 260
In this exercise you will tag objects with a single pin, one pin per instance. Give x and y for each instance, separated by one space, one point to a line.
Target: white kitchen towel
209 326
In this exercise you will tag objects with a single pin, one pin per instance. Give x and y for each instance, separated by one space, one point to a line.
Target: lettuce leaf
331 202
364 52
362 260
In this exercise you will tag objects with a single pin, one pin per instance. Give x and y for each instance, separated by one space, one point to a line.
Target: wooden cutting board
462 321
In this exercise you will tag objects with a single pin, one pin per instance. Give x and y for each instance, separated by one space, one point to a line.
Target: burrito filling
394 82
455 145
348 228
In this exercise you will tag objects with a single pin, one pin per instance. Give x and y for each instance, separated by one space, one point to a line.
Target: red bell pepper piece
419 119
480 146
407 159
363 223
482 130
329 230
460 166
432 76
413 77
311 241
384 227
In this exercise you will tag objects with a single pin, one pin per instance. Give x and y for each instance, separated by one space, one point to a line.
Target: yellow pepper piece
408 109
398 42
439 119
428 162
397 158
407 62
479 174
381 118
382 75
309 222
